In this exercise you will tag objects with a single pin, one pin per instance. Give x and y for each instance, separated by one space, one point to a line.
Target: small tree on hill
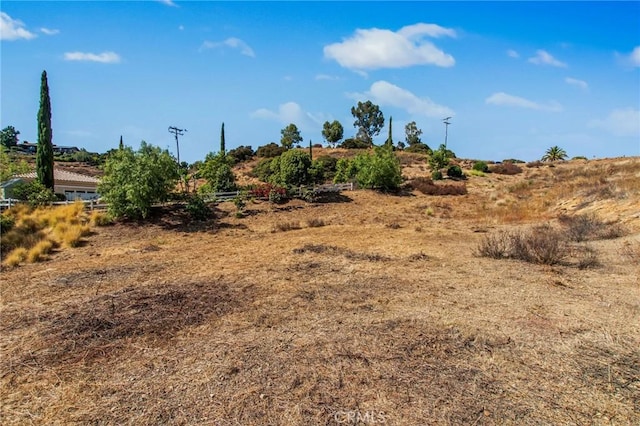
369 121
9 137
555 153
290 136
332 132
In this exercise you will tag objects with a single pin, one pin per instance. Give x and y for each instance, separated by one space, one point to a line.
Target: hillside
363 306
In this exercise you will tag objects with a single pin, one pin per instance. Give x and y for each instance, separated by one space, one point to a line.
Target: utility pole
446 130
177 132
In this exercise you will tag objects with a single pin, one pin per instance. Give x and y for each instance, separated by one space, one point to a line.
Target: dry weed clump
585 227
429 187
286 226
631 250
98 218
35 232
339 251
541 245
315 223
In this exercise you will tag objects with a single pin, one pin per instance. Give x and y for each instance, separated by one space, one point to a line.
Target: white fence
6 203
218 196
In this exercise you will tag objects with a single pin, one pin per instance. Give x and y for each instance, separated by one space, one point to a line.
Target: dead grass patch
93 329
339 251
315 222
286 226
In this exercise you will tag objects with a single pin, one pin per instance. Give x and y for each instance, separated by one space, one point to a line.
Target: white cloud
512 53
387 94
504 99
48 31
232 42
289 112
544 58
13 29
326 77
634 57
104 57
620 122
575 82
375 48
168 3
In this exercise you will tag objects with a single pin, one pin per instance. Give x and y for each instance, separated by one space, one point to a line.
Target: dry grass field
364 308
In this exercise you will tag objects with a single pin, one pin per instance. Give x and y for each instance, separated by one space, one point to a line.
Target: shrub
6 223
419 148
436 175
428 187
354 143
579 157
270 150
455 172
346 171
378 171
197 208
480 166
513 161
477 173
35 193
323 169
265 191
134 181
439 159
505 169
294 169
262 170
541 245
217 170
241 154
586 227
535 164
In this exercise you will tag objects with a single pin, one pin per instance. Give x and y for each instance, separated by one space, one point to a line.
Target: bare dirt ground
375 309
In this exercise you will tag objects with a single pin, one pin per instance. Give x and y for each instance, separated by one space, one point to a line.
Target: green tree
438 159
9 137
412 133
222 143
378 170
332 132
218 171
9 166
44 153
121 145
290 136
369 121
135 180
389 141
554 153
292 169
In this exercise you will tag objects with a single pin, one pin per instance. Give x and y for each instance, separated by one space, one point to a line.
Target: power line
446 130
177 132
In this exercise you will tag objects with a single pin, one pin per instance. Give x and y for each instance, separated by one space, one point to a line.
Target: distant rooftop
62 175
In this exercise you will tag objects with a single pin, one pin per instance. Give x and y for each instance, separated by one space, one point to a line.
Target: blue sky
516 77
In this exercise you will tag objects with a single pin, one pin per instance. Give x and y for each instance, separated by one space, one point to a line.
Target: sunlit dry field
363 307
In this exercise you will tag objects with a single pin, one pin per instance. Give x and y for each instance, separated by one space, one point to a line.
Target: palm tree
554 153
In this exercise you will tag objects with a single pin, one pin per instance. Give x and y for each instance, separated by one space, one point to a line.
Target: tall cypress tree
390 138
121 145
44 153
222 144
